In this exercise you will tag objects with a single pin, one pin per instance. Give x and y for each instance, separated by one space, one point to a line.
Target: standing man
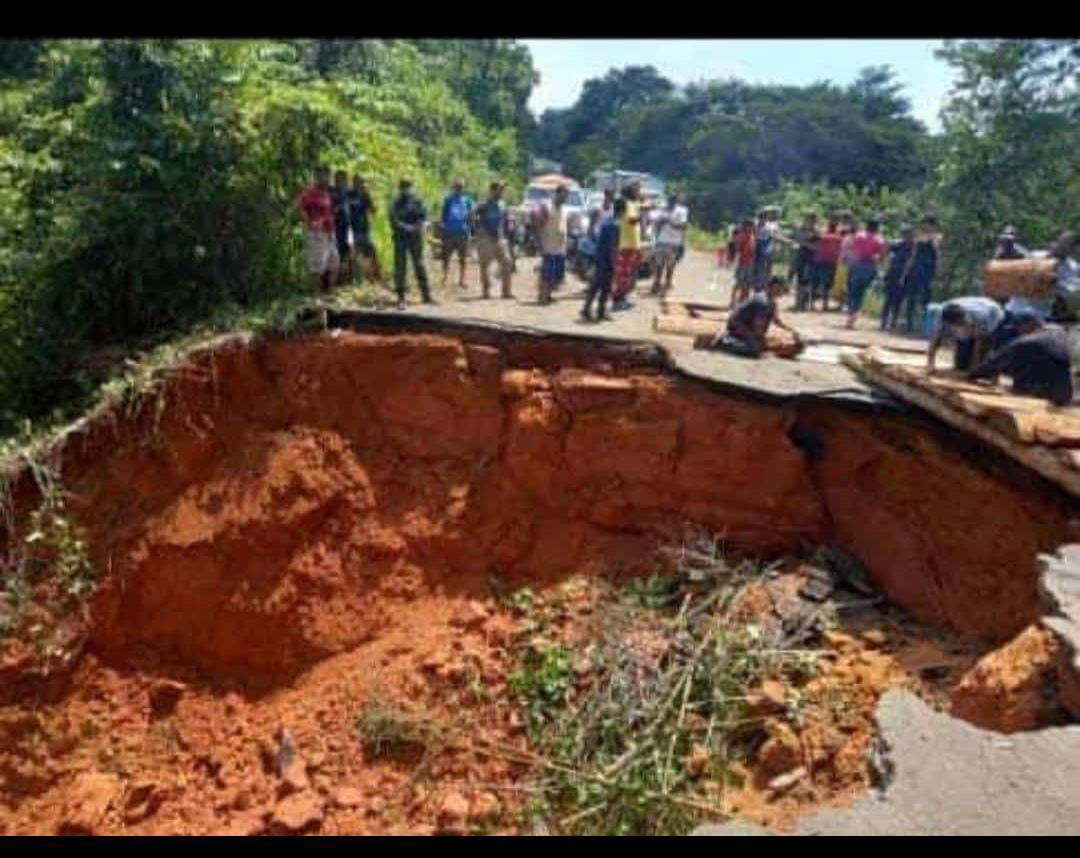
552 229
407 217
339 196
492 227
669 243
802 265
598 213
607 252
626 269
361 208
970 322
901 259
455 221
865 251
826 257
769 237
745 255
1007 247
920 276
317 210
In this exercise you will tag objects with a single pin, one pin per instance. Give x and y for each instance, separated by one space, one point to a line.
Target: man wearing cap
491 230
1037 360
1007 248
407 217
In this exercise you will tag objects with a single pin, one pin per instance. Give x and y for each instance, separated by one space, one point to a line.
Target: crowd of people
338 218
991 337
838 258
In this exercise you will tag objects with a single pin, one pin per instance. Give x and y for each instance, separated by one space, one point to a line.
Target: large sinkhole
302 543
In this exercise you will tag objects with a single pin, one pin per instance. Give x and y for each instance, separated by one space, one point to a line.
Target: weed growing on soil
387 733
639 734
52 555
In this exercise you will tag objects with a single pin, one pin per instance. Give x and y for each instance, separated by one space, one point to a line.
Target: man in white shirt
669 243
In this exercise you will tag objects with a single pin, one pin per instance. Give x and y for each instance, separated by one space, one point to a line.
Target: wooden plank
1051 463
672 305
1058 430
667 323
1022 278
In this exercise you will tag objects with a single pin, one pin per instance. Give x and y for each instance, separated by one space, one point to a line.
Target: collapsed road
280 511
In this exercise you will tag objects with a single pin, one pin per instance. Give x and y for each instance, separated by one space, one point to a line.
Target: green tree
1009 154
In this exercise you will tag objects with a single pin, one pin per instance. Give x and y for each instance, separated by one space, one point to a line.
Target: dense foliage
144 184
729 142
1007 153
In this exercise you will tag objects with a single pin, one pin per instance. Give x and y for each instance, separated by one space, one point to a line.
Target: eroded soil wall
277 500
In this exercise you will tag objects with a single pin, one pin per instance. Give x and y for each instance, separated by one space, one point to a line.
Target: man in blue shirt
491 244
970 322
607 251
455 222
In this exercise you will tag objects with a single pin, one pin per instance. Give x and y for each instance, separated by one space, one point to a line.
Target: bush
145 185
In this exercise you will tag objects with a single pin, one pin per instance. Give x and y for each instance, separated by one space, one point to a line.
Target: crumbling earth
289 531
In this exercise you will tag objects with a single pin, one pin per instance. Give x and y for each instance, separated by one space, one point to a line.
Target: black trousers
600 288
406 246
890 314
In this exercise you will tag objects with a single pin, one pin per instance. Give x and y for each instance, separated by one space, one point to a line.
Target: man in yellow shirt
626 268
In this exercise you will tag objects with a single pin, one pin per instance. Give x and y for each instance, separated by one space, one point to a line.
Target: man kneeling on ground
1037 360
970 322
747 326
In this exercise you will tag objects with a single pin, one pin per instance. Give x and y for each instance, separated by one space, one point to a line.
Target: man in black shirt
901 261
747 326
361 207
1007 248
407 217
1037 361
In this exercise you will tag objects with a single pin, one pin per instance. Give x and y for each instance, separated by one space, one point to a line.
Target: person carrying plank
1037 360
748 325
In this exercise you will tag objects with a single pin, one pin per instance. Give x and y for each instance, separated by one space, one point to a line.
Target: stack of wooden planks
1041 435
1022 278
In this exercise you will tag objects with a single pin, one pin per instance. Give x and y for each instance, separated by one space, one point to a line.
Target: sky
565 64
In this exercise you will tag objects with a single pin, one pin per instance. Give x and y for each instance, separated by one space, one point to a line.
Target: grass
45 570
642 739
388 733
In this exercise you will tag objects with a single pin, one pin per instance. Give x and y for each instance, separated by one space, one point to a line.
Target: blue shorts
553 268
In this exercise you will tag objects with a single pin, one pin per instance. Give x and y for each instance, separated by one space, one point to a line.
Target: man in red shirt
317 210
826 255
745 250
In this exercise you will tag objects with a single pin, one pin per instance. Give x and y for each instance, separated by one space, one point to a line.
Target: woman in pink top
864 251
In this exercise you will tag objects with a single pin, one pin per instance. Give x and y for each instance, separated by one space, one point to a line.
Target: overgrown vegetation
146 185
46 574
638 730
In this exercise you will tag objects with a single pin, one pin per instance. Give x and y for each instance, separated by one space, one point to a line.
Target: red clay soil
1022 685
293 524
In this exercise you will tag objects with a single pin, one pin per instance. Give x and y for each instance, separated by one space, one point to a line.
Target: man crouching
748 325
